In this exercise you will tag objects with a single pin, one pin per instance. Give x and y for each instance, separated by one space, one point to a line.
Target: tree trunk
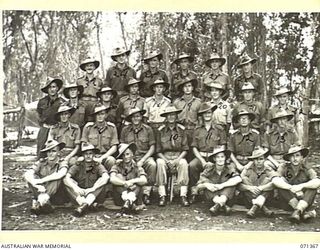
122 30
99 44
305 113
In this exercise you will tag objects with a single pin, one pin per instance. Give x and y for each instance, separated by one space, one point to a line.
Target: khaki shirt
86 174
44 167
117 78
78 117
91 87
244 144
223 114
47 108
251 176
206 140
256 81
126 103
210 175
143 137
189 115
154 109
148 78
70 135
210 77
102 138
178 77
174 140
128 172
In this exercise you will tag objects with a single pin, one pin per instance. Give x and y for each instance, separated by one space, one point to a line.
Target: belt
47 125
89 98
206 154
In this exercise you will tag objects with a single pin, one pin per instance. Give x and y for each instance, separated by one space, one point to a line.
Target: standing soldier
73 93
103 136
86 181
223 113
248 103
153 73
118 76
205 138
127 178
184 62
67 133
45 177
172 147
143 137
297 183
243 141
130 101
256 183
279 138
156 104
248 75
189 106
106 96
215 63
219 181
90 83
47 108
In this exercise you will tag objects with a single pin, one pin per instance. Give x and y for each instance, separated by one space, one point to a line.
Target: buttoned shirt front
279 143
117 78
142 136
255 177
171 140
206 140
47 108
128 102
128 172
103 137
148 78
210 174
91 87
154 108
223 114
190 108
86 174
244 144
70 134
44 167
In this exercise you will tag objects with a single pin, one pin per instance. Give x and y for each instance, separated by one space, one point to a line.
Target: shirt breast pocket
106 140
144 142
93 138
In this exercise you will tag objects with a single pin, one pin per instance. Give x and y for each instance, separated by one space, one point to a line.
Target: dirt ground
16 202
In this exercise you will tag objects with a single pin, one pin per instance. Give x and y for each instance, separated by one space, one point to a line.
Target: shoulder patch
256 131
88 124
111 124
161 127
233 131
74 125
181 126
124 98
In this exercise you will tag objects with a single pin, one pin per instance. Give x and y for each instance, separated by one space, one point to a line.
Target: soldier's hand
88 191
255 190
204 163
98 159
295 189
81 191
212 187
40 188
140 163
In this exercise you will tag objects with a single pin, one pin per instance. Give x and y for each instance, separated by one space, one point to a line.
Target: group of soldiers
126 137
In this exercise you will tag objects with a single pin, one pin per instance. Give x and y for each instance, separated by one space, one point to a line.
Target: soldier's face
159 89
244 120
136 118
134 89
296 159
154 62
247 68
100 116
128 156
258 162
64 116
184 63
171 118
53 153
248 95
282 122
283 99
53 89
207 116
220 159
88 156
215 93
215 64
187 88
73 92
89 68
106 96
121 58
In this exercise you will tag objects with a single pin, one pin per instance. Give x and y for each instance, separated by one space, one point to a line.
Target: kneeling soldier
172 147
219 180
297 183
86 180
68 133
127 178
256 182
45 177
142 135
